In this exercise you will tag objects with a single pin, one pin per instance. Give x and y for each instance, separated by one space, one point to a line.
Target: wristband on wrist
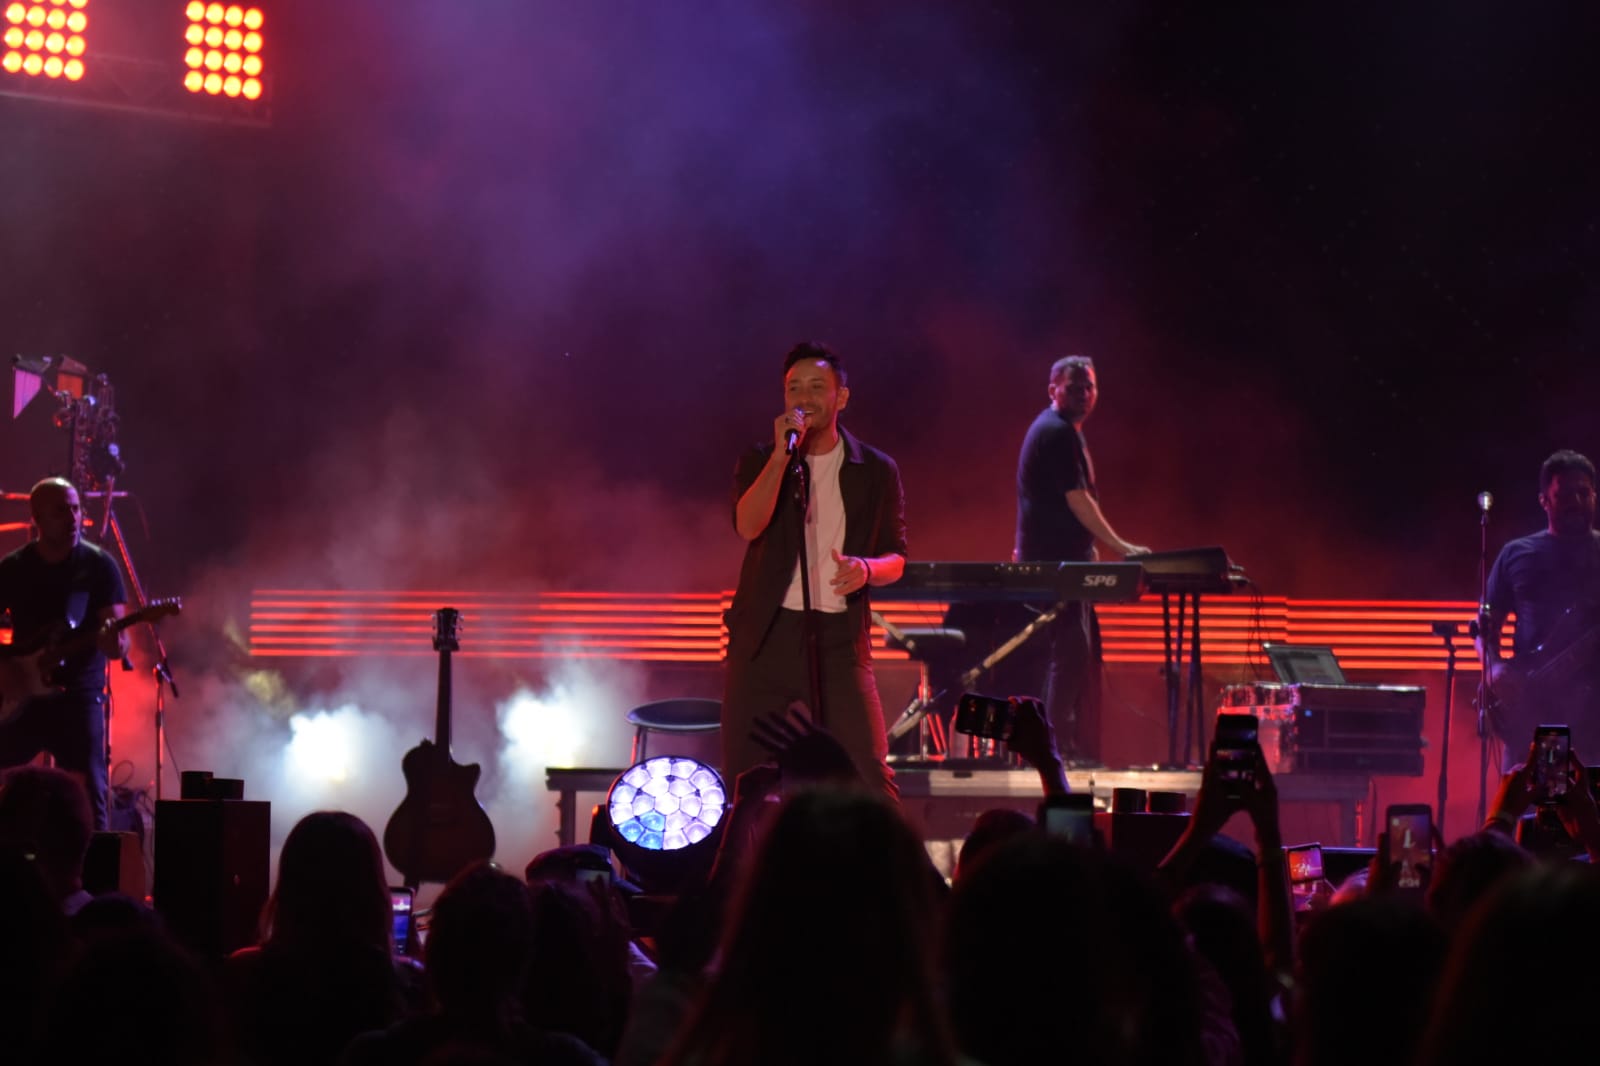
868 565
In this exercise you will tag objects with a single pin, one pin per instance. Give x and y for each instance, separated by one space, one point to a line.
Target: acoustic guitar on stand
27 673
439 828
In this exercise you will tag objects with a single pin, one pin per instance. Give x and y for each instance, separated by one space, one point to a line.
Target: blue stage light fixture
666 804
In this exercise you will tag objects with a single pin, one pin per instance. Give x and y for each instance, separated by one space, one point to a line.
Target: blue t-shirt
1054 461
1542 577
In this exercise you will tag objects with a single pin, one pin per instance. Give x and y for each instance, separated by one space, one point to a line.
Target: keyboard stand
1185 697
919 705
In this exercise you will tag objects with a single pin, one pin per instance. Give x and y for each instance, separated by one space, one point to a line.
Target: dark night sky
504 289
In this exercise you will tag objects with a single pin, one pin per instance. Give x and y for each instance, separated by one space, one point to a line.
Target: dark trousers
1072 682
777 676
71 726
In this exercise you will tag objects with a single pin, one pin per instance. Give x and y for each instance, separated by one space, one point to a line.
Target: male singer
855 535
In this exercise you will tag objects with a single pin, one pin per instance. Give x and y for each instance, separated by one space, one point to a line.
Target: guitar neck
441 724
87 637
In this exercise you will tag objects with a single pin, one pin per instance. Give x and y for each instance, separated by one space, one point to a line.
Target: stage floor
944 802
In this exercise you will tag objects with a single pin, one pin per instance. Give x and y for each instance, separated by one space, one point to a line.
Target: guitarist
1551 579
52 585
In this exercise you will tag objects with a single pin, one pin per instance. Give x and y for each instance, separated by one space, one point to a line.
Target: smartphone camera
989 717
1548 771
401 904
1233 752
1410 844
1070 817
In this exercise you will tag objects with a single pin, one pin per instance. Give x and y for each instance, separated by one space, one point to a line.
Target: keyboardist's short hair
1565 461
1068 363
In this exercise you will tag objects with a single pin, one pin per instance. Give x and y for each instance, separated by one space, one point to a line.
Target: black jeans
777 677
71 726
1072 682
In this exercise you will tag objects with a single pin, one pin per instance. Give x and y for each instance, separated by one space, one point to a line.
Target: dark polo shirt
875 524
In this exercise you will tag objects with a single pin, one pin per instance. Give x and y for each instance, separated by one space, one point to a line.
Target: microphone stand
1448 631
1477 630
162 671
800 479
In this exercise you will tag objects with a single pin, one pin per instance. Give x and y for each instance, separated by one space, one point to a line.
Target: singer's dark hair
810 351
1565 461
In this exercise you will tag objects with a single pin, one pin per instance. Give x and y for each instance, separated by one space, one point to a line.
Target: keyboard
1034 582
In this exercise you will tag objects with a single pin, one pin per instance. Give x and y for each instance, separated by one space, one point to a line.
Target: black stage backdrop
501 293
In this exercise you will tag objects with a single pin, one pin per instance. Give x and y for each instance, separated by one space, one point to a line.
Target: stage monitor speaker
114 863
1140 839
211 861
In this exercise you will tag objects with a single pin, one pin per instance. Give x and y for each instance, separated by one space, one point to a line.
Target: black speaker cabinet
1140 839
211 863
114 863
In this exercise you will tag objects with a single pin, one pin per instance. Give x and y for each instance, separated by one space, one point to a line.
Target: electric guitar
439 828
1557 682
27 673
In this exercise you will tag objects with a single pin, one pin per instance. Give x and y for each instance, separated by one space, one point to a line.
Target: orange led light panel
230 54
39 38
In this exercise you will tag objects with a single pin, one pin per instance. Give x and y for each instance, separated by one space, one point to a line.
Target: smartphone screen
587 874
400 904
1305 863
1410 843
1305 873
1552 749
1070 817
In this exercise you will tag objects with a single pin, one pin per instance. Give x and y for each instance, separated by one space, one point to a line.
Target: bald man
55 585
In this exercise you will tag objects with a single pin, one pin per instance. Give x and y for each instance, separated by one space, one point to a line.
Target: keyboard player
1059 518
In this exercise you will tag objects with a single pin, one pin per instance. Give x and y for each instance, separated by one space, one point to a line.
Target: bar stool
683 717
931 648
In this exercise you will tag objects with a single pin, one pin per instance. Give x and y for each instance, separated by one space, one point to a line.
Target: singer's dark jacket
874 525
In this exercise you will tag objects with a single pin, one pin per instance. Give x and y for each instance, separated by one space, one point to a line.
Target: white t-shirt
824 533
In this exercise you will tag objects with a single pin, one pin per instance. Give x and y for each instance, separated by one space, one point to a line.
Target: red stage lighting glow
231 50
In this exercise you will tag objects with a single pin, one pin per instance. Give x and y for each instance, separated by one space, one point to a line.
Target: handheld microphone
1485 501
791 437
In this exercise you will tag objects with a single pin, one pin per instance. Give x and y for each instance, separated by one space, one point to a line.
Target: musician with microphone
63 593
1059 518
1551 580
854 532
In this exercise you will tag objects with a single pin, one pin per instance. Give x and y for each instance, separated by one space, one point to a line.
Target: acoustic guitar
439 828
27 673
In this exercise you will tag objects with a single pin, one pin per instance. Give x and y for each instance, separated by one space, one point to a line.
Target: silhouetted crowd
822 934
